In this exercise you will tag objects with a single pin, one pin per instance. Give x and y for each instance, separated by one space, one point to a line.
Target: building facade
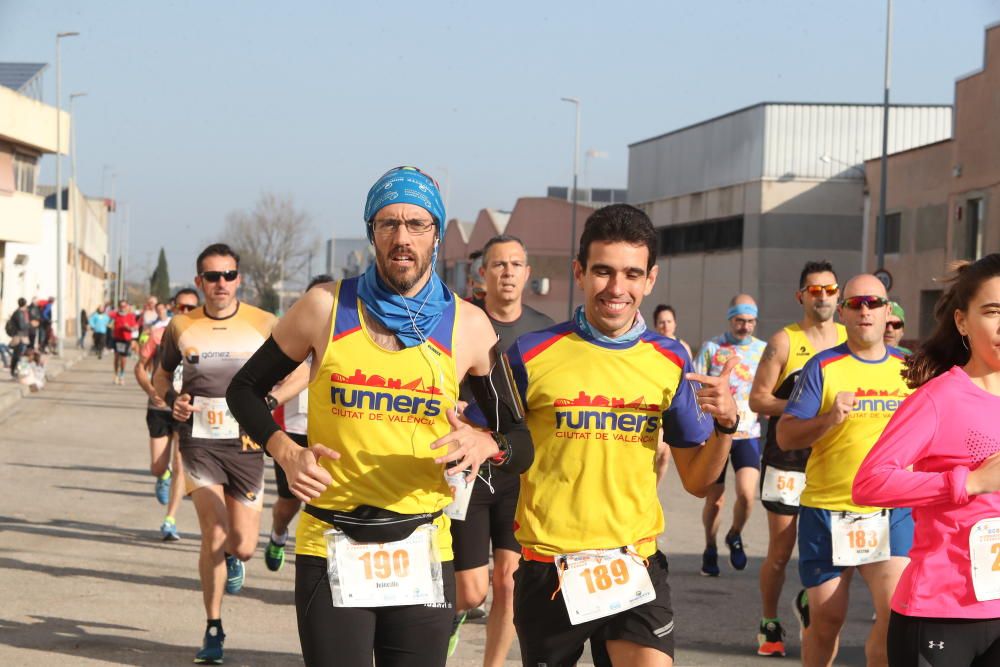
742 201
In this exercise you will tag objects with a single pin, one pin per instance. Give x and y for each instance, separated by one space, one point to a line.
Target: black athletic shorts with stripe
915 641
548 638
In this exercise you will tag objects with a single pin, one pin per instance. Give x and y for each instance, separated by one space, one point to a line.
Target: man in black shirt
490 515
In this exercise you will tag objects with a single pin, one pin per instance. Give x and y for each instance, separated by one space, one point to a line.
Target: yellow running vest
380 410
800 349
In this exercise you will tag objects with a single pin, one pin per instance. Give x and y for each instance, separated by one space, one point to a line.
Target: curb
10 394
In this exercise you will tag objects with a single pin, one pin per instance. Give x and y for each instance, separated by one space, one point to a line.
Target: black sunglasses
184 307
894 325
216 276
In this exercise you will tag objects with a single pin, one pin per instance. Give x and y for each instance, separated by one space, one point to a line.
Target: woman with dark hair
939 455
665 322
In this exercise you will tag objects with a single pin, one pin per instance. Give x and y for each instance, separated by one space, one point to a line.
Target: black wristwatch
722 430
504 446
271 401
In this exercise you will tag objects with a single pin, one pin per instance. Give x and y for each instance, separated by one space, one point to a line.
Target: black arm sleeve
245 396
510 422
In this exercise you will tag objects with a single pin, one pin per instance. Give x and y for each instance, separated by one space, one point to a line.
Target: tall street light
76 219
60 319
880 229
576 172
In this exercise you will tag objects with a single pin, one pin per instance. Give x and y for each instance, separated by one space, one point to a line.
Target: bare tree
274 240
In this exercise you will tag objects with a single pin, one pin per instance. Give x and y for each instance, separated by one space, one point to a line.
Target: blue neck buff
412 319
583 324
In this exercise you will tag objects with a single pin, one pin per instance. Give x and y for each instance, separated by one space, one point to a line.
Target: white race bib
782 486
214 421
462 491
368 574
600 583
859 539
984 552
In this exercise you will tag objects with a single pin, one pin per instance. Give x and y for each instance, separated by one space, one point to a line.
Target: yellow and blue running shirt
878 388
380 410
595 412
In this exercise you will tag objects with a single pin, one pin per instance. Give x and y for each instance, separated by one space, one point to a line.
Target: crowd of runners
441 448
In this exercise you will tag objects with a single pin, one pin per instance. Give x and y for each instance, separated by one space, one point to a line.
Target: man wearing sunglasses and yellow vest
840 405
373 571
783 473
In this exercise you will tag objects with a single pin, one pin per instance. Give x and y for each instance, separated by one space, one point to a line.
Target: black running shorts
408 636
160 423
943 642
490 519
241 473
547 637
279 475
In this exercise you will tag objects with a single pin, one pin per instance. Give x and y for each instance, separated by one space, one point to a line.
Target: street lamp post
76 220
880 229
60 324
576 172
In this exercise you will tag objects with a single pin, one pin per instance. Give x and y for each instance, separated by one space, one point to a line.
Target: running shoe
710 562
771 639
163 488
235 572
274 555
801 608
168 530
477 612
211 647
456 626
737 556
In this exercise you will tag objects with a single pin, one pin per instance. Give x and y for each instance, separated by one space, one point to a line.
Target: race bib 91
213 420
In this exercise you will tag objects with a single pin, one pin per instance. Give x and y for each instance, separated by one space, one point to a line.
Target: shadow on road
77 638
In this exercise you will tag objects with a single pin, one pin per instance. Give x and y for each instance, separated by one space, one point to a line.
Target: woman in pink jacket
939 455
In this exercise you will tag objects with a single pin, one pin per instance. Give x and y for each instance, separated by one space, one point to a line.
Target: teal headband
741 309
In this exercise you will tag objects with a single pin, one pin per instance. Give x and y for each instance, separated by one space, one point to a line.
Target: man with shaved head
739 342
840 405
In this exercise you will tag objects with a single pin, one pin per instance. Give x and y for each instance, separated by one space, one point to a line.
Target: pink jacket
947 427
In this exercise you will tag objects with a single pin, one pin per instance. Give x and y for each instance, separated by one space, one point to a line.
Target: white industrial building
743 200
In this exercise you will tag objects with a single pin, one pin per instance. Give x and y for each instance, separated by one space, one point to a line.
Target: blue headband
405 185
741 309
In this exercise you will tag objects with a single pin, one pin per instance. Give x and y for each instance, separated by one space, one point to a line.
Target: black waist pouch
372 524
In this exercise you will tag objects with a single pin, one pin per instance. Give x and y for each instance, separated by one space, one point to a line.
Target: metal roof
22 77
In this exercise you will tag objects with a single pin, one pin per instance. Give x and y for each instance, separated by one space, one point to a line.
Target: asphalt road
87 581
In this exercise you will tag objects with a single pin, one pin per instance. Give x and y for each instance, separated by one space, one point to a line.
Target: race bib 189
984 552
600 583
213 420
859 539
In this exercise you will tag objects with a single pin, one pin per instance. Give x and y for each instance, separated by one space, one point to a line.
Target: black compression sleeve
522 449
245 396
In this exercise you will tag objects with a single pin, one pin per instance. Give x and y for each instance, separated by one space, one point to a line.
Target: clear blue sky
200 106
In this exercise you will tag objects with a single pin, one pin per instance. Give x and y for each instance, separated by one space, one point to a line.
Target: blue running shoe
163 488
234 574
168 530
710 562
211 647
737 556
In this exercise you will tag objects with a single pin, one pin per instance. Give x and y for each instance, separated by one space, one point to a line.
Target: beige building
943 199
742 201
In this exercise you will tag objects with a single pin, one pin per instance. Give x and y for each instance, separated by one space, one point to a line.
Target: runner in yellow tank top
390 347
787 352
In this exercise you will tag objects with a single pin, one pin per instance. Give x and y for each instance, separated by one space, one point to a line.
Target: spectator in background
21 326
665 321
475 286
46 341
82 322
894 327
99 326
34 318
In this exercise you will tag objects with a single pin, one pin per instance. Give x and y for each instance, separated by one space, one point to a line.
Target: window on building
25 169
973 229
709 236
893 229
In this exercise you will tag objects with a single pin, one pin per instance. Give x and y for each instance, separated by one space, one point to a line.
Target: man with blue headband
374 572
745 455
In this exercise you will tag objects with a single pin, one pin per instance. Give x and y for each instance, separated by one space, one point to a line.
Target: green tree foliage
159 282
